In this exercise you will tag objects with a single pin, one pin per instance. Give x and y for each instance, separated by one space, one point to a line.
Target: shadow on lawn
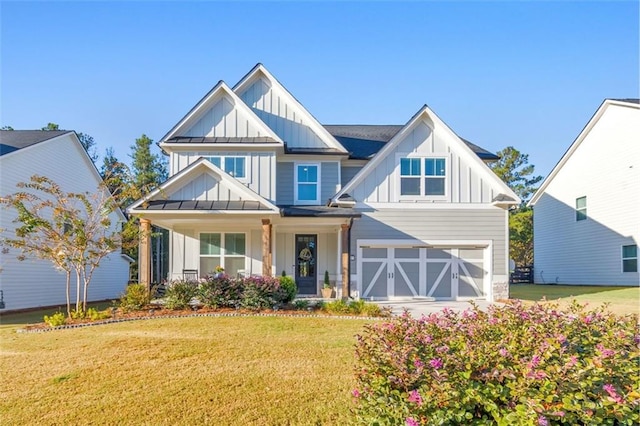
536 292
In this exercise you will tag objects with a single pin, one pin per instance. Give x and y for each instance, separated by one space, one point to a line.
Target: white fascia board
423 243
314 124
163 213
574 146
187 172
218 90
423 205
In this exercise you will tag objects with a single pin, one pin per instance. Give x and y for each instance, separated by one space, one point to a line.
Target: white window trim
583 209
298 202
222 164
423 176
223 249
622 259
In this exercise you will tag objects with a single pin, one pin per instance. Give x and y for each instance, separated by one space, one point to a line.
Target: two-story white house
258 186
58 155
586 213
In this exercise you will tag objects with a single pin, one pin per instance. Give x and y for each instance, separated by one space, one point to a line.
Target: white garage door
441 273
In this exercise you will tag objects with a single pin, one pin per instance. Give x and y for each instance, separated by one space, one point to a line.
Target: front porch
302 243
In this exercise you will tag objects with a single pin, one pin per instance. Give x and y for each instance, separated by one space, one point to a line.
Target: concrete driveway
417 308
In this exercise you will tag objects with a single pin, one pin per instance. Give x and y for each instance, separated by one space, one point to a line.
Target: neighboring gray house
58 155
586 212
258 186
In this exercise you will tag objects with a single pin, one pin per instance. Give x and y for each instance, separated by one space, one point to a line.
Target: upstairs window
307 184
630 258
235 166
423 177
581 208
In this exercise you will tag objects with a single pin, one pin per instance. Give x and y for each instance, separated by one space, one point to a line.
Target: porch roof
317 211
204 205
207 139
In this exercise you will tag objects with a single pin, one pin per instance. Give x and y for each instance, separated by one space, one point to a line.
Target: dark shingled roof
314 151
628 100
204 205
363 141
200 139
13 140
317 211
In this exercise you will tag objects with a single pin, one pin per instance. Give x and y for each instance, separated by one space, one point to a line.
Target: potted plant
326 286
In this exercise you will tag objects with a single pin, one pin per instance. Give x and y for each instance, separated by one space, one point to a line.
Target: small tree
72 230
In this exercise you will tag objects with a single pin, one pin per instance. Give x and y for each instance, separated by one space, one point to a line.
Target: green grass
621 300
204 370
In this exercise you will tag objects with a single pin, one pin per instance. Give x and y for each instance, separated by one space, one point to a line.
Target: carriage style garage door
405 270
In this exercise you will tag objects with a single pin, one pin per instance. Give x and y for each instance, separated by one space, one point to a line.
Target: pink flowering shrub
526 365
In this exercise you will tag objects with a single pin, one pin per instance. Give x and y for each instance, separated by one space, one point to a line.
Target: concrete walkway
417 308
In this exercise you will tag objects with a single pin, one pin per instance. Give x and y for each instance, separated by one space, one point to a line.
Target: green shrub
220 292
95 315
336 307
179 294
262 292
290 288
135 297
77 314
520 365
55 320
301 304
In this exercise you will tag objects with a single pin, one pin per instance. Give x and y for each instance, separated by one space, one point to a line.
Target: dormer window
423 177
233 165
307 184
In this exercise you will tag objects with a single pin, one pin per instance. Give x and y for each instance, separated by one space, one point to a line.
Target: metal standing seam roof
13 140
363 141
222 140
203 205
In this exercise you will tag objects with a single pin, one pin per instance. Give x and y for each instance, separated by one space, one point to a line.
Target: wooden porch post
266 248
345 260
144 253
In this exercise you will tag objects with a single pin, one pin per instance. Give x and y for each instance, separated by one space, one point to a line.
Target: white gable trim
315 126
463 150
201 107
184 176
576 144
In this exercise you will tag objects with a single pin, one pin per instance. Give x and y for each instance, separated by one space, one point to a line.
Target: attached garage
447 270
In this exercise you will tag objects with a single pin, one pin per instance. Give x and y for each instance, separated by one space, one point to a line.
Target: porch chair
190 274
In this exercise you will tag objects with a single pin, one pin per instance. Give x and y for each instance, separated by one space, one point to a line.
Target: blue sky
527 74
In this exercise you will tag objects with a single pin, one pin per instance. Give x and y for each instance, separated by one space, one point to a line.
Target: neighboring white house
59 156
587 211
258 186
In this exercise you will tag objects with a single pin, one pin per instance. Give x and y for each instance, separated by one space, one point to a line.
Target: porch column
266 248
345 260
144 253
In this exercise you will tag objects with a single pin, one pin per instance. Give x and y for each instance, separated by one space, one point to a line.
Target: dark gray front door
306 263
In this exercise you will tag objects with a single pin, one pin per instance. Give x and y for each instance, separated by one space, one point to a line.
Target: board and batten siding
465 183
281 115
205 188
605 168
285 181
260 168
34 283
223 119
487 224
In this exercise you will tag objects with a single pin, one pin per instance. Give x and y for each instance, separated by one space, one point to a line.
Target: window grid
307 183
233 165
227 250
630 258
430 183
581 208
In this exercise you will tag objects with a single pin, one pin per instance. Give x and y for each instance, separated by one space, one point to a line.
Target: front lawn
622 300
204 370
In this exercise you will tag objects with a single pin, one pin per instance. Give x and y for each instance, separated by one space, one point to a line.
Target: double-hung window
307 183
423 177
233 165
226 250
581 208
630 258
